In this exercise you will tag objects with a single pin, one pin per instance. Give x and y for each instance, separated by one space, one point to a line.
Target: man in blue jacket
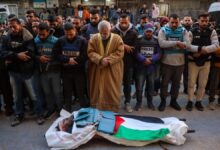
49 69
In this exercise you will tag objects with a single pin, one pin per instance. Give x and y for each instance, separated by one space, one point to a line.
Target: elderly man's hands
105 62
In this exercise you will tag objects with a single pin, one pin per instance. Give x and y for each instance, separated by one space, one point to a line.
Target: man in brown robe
105 70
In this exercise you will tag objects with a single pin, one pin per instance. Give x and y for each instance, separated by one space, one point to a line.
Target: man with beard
174 40
58 29
129 36
105 52
77 22
187 23
92 28
205 41
140 27
49 70
18 50
70 50
30 17
147 54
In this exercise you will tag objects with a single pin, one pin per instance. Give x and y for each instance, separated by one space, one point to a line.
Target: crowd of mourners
51 62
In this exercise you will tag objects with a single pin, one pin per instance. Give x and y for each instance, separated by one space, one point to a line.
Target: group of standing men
92 61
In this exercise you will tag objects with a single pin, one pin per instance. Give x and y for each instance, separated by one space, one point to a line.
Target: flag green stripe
141 135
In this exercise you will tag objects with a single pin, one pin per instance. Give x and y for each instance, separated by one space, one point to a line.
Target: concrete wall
180 7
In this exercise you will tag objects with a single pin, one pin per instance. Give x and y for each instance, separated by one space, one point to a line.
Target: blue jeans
17 81
51 85
141 76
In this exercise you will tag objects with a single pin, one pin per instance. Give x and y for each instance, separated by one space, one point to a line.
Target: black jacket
129 38
14 44
64 49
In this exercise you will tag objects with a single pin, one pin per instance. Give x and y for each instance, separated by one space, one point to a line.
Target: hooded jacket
129 37
14 44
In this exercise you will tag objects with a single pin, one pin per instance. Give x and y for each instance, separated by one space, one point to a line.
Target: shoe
175 105
162 105
128 108
40 120
49 114
9 112
137 107
150 105
17 120
199 106
211 106
189 106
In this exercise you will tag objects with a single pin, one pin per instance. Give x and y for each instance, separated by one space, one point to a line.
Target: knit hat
148 27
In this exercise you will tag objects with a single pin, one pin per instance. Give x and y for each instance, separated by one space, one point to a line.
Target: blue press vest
104 119
71 49
173 35
45 48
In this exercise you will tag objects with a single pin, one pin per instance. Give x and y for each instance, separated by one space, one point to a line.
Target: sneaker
137 107
17 120
199 106
211 106
189 106
40 120
49 114
128 108
175 105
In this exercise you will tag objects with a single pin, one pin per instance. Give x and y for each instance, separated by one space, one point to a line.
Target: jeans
142 76
51 85
170 74
17 81
127 82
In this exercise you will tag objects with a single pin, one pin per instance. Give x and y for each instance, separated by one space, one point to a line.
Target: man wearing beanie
147 53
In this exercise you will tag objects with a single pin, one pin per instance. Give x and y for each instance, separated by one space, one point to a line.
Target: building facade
180 7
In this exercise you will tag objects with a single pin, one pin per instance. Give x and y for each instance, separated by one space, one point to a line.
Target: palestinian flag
140 128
